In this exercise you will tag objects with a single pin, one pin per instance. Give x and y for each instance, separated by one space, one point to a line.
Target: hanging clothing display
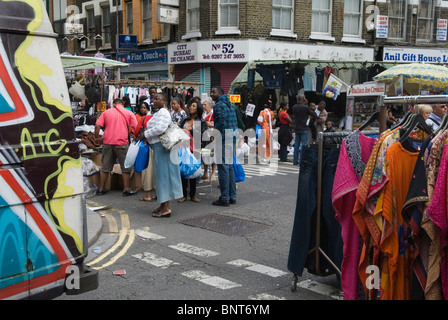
304 235
353 158
388 208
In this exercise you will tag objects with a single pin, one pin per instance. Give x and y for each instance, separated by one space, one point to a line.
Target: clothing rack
149 83
327 139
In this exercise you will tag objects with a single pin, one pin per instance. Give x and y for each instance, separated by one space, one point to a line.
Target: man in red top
117 122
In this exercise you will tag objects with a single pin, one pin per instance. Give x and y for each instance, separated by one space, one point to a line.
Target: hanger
374 117
404 120
417 120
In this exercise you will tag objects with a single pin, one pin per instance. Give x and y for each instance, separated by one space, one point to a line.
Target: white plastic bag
131 155
78 89
196 174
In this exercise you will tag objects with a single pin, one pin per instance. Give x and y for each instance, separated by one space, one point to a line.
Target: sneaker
221 203
232 201
101 192
129 192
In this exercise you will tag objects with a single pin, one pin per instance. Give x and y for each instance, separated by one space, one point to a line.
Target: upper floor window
105 18
193 15
129 18
397 20
228 17
321 19
352 19
147 20
91 30
282 18
425 18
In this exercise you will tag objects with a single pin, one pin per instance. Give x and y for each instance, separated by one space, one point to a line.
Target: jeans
300 140
304 228
226 177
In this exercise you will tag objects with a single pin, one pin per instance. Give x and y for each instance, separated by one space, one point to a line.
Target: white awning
82 63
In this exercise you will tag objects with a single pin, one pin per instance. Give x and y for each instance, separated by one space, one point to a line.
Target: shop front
149 65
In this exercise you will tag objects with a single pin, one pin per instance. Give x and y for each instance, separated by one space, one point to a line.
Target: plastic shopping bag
131 155
142 160
240 175
188 163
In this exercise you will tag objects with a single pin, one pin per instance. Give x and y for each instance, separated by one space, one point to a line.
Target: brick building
218 41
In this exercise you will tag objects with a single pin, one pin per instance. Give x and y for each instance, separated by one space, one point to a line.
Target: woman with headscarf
166 173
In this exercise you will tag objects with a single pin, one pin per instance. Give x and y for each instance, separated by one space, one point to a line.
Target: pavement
94 226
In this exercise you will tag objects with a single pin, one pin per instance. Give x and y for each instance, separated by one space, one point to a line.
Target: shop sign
415 55
126 41
235 98
167 15
382 25
441 29
182 53
367 89
144 56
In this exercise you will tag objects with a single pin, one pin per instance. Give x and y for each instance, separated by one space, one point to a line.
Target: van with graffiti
43 232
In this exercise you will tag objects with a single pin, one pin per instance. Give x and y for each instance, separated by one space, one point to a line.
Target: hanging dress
266 121
354 155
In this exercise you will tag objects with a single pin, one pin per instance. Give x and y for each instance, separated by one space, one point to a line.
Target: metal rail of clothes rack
325 139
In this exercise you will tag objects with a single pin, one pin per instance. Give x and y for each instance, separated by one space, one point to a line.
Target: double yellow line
125 232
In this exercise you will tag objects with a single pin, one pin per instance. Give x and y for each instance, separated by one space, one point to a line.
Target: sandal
162 215
157 210
181 200
194 199
145 199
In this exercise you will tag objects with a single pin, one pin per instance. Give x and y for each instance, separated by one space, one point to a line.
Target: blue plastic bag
257 131
188 163
240 175
142 160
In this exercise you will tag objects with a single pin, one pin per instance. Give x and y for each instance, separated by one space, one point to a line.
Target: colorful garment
355 152
266 121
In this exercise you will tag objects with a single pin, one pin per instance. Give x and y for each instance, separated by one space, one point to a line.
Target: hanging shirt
309 78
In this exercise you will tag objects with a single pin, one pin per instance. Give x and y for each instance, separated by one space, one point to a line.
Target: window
321 20
397 20
228 17
425 18
129 18
90 13
193 15
352 18
106 25
147 20
282 17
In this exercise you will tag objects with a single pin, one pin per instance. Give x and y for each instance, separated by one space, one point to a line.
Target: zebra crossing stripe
193 250
213 281
154 260
265 296
322 289
271 272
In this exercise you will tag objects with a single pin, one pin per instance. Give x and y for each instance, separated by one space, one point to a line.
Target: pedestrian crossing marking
213 281
148 235
322 289
154 260
271 272
265 296
193 250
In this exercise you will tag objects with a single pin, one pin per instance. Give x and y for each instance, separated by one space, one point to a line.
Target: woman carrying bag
166 173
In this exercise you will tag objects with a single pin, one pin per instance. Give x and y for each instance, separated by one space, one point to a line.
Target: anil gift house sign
409 55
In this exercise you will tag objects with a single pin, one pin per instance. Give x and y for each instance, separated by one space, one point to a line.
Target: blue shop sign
144 56
126 41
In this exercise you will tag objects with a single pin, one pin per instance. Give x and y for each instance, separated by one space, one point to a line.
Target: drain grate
224 224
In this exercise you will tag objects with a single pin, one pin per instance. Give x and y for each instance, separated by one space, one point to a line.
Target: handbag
78 90
131 154
142 159
174 136
187 162
240 175
93 91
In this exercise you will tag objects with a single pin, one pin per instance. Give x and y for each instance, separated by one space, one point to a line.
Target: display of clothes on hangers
373 180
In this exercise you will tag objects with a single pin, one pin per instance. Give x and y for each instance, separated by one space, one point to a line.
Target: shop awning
82 63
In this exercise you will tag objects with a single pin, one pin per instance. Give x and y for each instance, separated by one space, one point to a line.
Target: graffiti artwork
42 209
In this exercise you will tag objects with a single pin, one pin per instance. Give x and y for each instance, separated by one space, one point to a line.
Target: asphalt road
204 252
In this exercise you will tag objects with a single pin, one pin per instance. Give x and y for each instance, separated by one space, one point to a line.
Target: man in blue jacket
225 121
